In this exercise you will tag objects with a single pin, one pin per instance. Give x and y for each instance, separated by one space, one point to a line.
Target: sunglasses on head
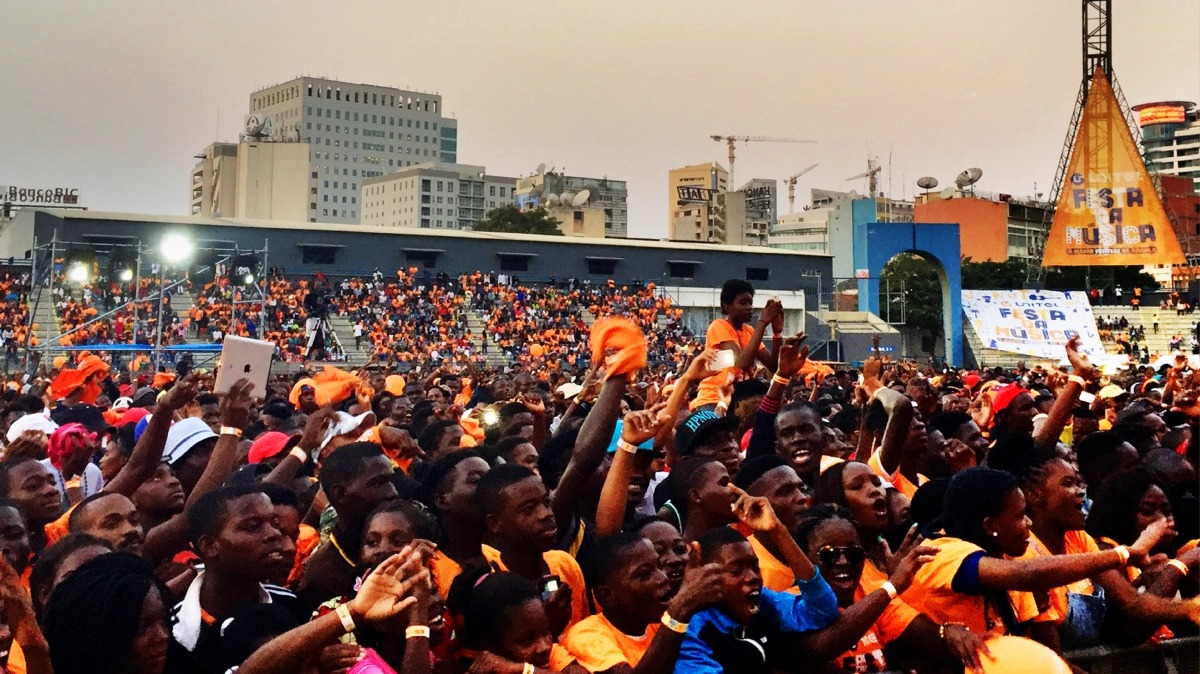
831 555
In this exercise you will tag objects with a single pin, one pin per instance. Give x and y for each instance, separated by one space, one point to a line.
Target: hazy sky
116 97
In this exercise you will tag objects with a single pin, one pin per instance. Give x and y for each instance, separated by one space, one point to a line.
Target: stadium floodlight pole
173 248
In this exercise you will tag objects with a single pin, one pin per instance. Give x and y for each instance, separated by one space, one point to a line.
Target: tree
988 275
922 292
512 220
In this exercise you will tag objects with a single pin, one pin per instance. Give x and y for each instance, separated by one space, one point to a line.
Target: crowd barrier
1173 656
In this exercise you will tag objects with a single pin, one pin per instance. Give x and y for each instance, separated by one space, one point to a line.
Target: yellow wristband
673 624
416 632
1078 380
231 430
527 669
1179 566
1122 554
343 614
299 454
890 589
781 380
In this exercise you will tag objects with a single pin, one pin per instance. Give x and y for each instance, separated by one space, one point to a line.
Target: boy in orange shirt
735 334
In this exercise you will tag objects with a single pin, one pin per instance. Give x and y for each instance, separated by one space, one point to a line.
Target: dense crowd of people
741 510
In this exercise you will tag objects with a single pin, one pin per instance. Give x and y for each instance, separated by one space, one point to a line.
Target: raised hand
182 393
1079 360
911 540
701 586
701 366
387 591
870 372
235 405
1139 552
905 569
754 511
642 425
958 455
792 356
534 404
772 311
558 609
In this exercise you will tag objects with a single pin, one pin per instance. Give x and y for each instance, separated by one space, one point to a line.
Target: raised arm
1045 573
171 536
638 428
756 513
792 356
148 451
1064 405
590 446
310 441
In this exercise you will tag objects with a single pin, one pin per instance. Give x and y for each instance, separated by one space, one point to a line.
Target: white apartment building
806 230
252 179
1171 136
434 195
355 132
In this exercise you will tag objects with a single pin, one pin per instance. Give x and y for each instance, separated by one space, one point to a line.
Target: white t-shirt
92 482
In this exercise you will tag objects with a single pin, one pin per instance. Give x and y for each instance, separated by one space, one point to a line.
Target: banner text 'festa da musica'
1109 212
1032 322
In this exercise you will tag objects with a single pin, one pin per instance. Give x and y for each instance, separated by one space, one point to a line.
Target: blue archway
877 242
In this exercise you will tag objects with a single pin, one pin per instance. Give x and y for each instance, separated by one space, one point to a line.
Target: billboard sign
691 194
38 196
1032 322
1108 210
1161 114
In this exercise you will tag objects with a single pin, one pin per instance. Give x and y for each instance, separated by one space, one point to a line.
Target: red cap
971 380
1005 396
267 445
132 416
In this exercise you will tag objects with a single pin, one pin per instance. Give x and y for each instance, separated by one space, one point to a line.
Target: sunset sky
116 97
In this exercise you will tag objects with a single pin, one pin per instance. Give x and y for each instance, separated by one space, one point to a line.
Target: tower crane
872 176
748 139
791 183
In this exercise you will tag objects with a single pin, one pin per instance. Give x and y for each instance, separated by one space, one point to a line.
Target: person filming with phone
739 342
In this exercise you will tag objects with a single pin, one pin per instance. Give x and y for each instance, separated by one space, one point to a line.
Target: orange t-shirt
901 483
776 575
867 654
932 593
562 565
1075 542
444 571
58 528
719 332
599 646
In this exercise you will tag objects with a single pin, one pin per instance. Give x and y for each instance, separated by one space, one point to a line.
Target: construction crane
791 183
748 139
872 176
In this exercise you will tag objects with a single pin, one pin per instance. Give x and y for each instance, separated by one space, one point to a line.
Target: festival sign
1032 322
1108 210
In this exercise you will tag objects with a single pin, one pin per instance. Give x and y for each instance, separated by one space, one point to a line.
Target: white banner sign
1032 322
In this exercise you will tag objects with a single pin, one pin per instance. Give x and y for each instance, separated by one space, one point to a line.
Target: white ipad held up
243 358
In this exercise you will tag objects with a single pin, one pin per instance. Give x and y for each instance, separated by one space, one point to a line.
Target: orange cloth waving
623 335
69 380
294 396
334 385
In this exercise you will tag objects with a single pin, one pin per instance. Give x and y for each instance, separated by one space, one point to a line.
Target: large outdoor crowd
609 502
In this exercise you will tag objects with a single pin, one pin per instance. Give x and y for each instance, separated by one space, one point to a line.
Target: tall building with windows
1171 136
252 179
434 195
354 132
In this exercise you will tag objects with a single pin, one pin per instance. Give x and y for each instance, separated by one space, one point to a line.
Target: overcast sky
116 97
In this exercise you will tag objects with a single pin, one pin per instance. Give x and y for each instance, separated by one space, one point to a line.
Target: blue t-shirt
717 643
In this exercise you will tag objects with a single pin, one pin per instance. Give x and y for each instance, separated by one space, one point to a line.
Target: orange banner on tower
1108 210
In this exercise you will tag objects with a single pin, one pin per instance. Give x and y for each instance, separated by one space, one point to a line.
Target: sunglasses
830 555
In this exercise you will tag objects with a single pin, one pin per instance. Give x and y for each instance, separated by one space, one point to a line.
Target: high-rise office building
354 132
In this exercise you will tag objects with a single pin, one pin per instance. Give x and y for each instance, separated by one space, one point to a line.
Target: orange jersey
599 646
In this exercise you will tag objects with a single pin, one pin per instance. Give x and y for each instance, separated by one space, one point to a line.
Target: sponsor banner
1108 211
1032 322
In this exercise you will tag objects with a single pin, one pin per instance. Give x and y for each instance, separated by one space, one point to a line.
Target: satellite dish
551 199
968 177
927 183
582 198
566 198
541 168
947 193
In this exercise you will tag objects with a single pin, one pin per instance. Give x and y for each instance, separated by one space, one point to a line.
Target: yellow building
258 180
582 221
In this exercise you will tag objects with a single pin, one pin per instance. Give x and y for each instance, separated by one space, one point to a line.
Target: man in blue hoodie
743 633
